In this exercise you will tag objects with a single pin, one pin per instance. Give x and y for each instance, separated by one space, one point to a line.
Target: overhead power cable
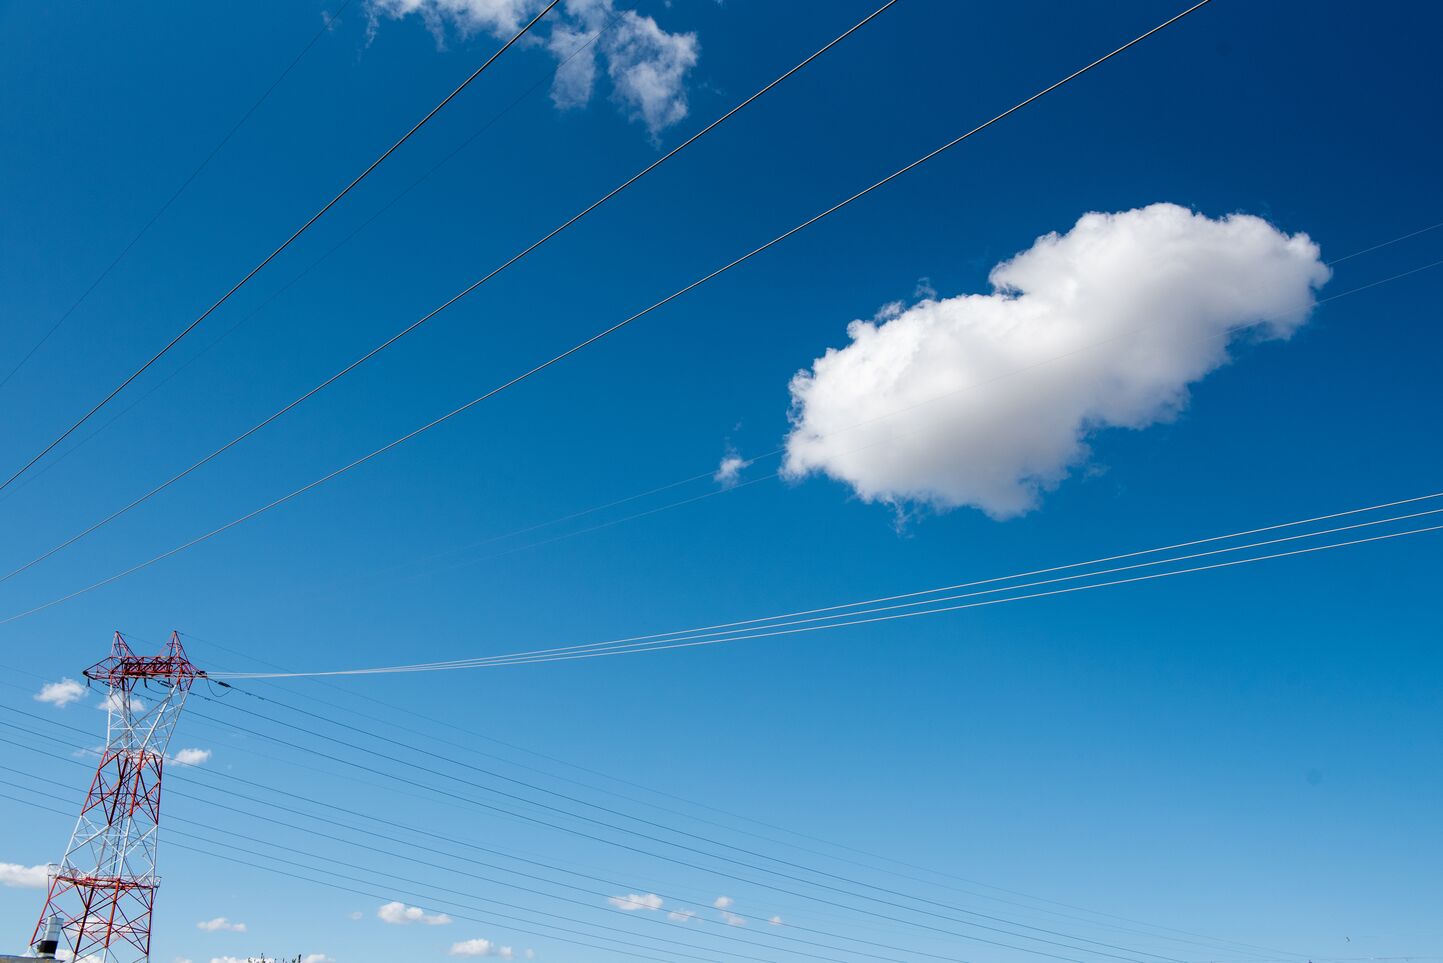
973 605
844 607
284 244
1182 937
210 829
602 827
828 902
455 298
231 794
326 27
651 823
894 413
270 791
545 79
331 883
728 937
451 841
600 335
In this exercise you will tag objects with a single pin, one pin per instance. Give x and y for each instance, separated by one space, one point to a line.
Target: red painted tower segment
102 893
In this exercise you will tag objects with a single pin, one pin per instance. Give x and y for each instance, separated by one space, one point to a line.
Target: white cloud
729 472
723 902
355 915
316 958
24 877
1105 326
191 757
681 915
480 947
115 701
182 959
497 17
733 919
775 921
399 914
632 902
220 925
61 694
646 65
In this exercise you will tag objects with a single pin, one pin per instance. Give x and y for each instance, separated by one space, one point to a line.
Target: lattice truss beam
102 892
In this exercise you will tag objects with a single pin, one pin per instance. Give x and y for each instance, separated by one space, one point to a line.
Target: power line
231 777
727 627
639 646
556 359
804 896
604 826
544 79
331 884
1232 946
450 840
972 605
1388 243
210 829
285 244
710 473
452 300
769 631
652 823
330 21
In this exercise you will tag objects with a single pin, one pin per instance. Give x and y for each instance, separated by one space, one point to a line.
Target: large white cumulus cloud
646 65
987 400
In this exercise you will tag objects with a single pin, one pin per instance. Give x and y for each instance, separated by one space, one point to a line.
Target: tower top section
123 669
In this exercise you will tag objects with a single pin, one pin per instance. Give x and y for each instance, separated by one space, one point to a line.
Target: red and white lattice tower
103 891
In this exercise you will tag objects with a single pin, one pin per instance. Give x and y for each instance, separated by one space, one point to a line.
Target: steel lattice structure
102 892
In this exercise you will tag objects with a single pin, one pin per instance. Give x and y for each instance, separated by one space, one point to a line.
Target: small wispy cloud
775 921
723 902
115 701
399 914
732 919
191 757
220 925
729 472
648 67
24 877
481 947
633 902
61 694
681 915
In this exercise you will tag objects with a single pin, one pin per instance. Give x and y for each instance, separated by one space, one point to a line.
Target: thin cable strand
460 663
452 300
973 605
556 359
275 295
285 244
329 23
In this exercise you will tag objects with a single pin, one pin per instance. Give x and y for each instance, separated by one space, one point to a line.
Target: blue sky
1251 754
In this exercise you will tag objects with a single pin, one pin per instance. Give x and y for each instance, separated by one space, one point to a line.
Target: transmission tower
102 892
